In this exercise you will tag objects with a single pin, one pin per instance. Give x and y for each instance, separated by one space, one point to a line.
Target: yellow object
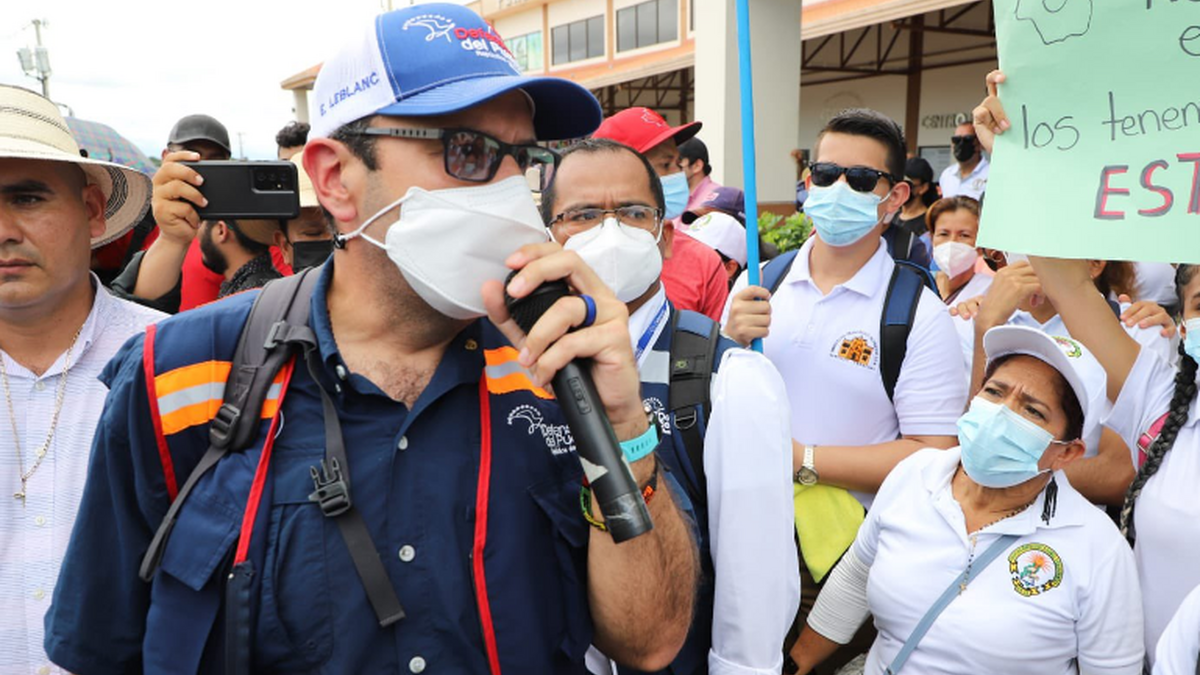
827 520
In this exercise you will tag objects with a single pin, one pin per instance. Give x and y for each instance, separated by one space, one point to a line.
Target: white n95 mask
954 257
447 243
625 258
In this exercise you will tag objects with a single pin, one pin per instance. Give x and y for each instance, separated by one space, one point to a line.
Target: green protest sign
1103 157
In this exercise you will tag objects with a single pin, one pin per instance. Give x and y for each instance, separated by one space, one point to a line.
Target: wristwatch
807 473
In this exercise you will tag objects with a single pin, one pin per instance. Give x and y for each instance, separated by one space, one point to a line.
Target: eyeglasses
860 178
474 156
968 139
636 216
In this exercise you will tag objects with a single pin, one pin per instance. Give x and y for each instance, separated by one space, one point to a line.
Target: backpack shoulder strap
278 314
776 269
696 351
899 311
921 271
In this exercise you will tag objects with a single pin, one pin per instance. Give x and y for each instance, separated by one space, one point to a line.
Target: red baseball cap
642 129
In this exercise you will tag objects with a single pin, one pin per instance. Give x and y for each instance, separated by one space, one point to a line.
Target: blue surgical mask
1000 448
1191 338
842 215
675 189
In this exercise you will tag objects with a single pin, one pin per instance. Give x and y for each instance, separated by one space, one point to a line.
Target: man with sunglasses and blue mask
412 500
692 272
968 176
861 399
737 475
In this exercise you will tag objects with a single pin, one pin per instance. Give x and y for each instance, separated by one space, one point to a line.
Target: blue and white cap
436 59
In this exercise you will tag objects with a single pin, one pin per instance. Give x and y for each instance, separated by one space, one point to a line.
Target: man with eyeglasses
413 499
692 272
968 176
733 460
823 330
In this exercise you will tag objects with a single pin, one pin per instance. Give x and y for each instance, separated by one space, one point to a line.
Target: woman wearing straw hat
983 558
58 329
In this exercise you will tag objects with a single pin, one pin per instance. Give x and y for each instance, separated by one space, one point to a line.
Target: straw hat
32 128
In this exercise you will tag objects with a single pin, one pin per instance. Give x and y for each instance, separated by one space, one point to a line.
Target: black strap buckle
331 492
685 419
275 335
223 425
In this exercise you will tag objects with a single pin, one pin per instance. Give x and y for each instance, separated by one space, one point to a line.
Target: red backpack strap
164 451
1147 439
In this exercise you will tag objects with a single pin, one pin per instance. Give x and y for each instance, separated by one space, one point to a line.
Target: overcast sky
139 65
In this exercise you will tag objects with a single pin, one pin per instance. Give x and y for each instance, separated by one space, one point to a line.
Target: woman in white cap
983 558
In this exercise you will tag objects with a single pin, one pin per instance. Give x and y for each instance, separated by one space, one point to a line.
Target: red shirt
201 285
694 277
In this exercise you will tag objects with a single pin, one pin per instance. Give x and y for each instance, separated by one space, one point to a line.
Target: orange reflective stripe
500 355
505 374
194 375
515 382
198 404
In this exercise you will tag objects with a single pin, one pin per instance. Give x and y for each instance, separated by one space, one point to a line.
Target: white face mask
447 243
954 257
625 258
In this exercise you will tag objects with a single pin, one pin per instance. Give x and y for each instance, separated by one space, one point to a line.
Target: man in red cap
692 273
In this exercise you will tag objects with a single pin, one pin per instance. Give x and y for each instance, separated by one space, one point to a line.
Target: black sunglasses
860 178
474 156
970 138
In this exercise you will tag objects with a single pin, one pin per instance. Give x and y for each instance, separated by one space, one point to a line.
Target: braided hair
1181 403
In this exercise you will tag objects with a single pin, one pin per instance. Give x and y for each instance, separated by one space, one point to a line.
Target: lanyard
644 341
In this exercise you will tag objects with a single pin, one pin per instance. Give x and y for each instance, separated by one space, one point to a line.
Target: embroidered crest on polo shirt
857 348
437 25
557 436
1068 346
1035 569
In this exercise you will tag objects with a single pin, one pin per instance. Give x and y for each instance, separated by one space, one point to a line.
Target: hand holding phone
246 190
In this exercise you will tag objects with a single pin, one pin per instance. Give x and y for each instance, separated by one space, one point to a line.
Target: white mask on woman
954 257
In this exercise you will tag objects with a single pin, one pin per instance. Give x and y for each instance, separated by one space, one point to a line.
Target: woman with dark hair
954 222
1063 587
1154 410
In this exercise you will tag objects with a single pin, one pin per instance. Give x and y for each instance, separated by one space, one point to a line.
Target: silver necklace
12 418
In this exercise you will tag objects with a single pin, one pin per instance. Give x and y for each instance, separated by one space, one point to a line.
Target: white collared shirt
974 185
751 522
33 538
1063 591
1167 517
1179 648
826 347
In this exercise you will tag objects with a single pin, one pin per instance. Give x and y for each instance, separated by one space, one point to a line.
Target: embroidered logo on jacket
1035 569
557 436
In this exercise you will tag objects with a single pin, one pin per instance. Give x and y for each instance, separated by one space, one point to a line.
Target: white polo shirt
1167 517
1063 591
1179 648
826 347
977 286
974 185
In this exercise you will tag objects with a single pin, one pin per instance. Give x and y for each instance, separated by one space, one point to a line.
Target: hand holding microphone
594 376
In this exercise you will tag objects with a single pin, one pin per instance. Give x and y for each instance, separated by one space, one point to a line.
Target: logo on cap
649 117
1069 347
437 25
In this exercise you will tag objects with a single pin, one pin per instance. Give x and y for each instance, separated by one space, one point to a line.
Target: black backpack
895 323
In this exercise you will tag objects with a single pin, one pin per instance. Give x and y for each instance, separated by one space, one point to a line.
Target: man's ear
94 202
329 164
666 244
732 268
219 231
899 195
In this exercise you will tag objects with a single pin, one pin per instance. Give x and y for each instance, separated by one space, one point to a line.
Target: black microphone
613 487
